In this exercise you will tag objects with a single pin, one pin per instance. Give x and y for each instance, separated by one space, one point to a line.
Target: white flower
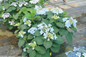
67 24
33 45
64 19
21 33
25 3
49 25
22 3
24 49
49 36
6 15
51 29
3 8
24 19
68 52
32 30
14 4
60 11
74 22
34 1
55 10
1 1
78 54
11 22
76 49
41 32
40 10
55 37
28 23
84 54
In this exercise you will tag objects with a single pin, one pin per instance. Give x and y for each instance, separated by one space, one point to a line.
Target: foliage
40 30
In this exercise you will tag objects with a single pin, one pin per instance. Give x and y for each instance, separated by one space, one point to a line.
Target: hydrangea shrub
39 29
77 52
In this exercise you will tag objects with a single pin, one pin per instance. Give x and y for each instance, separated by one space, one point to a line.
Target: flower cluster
34 1
45 30
27 22
42 11
33 45
69 22
21 34
5 15
20 4
11 22
77 52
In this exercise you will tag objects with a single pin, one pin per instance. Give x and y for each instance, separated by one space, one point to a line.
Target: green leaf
39 40
63 32
51 20
69 38
55 29
30 37
10 27
40 49
24 53
49 14
55 49
10 9
38 55
47 44
59 24
32 53
16 31
33 12
37 33
74 29
23 27
21 42
59 40
29 50
46 21
47 54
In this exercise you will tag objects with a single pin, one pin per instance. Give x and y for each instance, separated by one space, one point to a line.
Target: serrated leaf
47 54
32 53
29 50
63 32
38 55
55 49
69 38
59 24
21 42
22 27
74 29
24 53
59 40
40 49
49 14
37 33
47 44
46 21
55 29
30 37
10 9
39 40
